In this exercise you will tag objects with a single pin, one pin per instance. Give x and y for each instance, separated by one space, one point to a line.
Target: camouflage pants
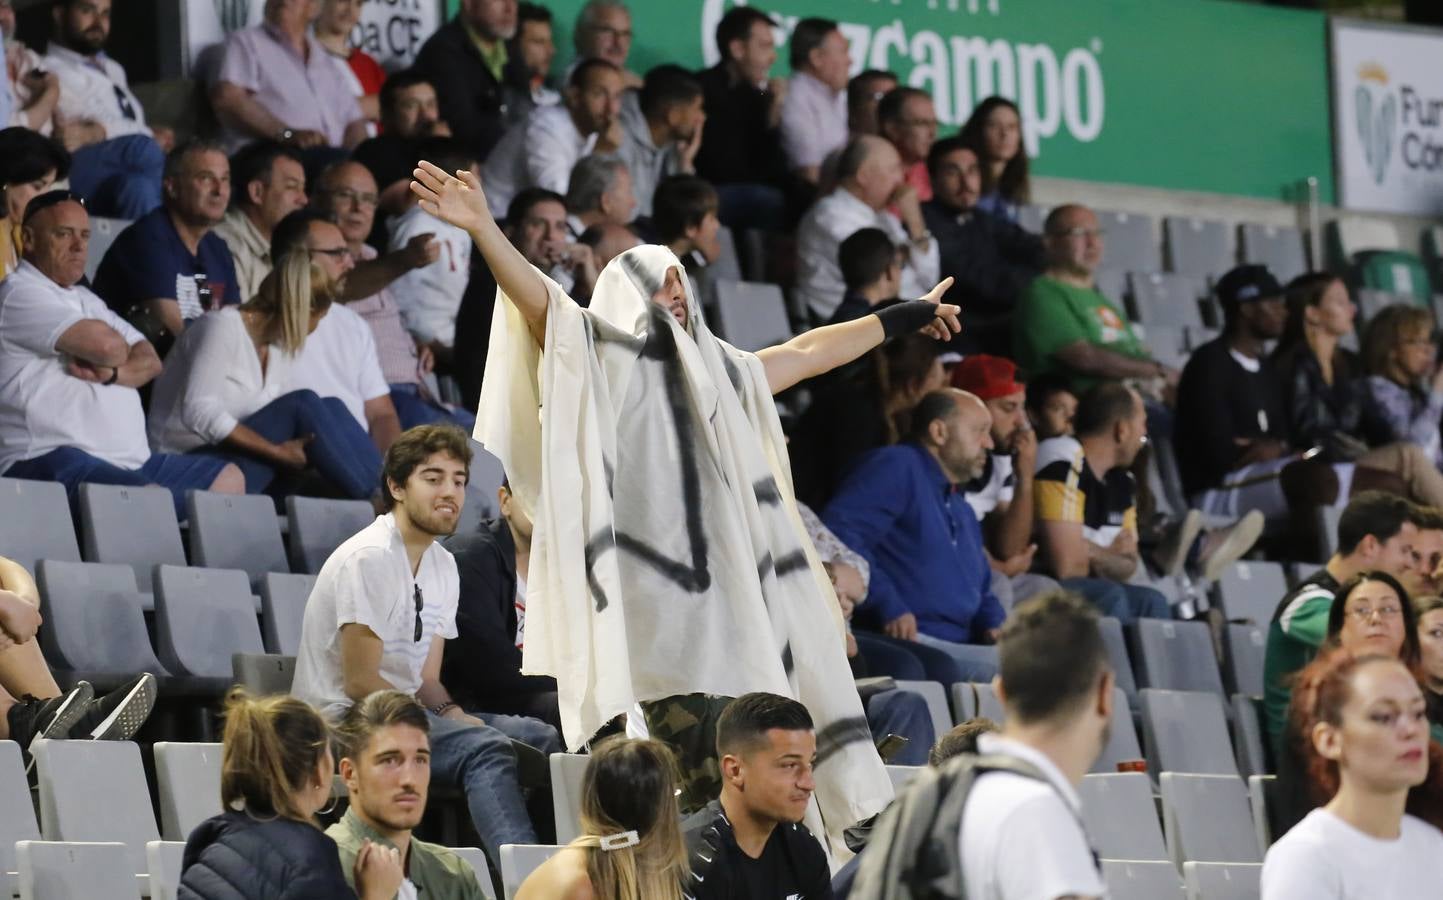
687 724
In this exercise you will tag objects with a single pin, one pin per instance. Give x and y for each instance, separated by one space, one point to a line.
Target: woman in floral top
1404 387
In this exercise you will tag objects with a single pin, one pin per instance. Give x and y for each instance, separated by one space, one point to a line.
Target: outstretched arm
823 349
458 199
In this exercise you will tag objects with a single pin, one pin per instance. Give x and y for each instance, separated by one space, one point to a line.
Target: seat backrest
1131 242
936 696
487 474
901 776
520 860
164 859
264 673
1248 741
283 608
1186 731
752 315
1130 879
188 778
94 619
108 518
203 616
1206 818
1198 246
475 857
1259 790
319 526
1177 656
95 791
51 870
1112 284
17 813
1122 743
1244 647
1351 235
1121 817
103 232
728 263
1032 217
36 524
236 531
1278 247
988 706
567 770
1167 298
964 701
1165 342
1251 590
1118 656
1222 881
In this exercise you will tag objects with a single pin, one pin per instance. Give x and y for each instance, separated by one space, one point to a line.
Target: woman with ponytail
276 769
226 388
631 846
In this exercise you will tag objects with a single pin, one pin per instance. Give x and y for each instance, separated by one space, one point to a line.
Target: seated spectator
991 260
751 843
961 739
995 128
1086 505
864 92
347 191
467 62
599 193
482 665
907 118
1375 533
1429 612
33 92
1064 325
534 47
869 180
542 151
117 158
228 391
333 30
268 183
169 266
1404 387
385 760
603 31
70 367
871 270
630 847
663 132
383 606
276 770
29 164
684 218
1426 579
814 112
741 149
1369 760
277 82
901 509
1051 406
409 117
608 241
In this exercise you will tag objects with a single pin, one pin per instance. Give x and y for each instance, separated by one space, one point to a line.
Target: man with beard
378 618
385 761
409 115
662 133
169 267
468 63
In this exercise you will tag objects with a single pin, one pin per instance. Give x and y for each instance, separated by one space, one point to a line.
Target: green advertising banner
1200 95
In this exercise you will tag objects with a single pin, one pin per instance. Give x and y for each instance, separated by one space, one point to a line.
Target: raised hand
946 324
457 199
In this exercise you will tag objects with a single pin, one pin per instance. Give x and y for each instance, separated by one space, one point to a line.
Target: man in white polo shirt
383 606
69 369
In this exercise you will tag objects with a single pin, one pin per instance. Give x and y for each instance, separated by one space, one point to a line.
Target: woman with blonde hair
226 388
631 846
276 769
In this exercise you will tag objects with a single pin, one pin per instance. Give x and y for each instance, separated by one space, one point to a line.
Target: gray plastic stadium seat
202 617
1371 302
728 264
1032 217
1244 646
1122 743
236 531
94 619
520 860
1165 298
164 859
1117 654
1222 881
1280 248
1121 817
95 791
51 870
1206 818
283 607
1248 740
988 706
318 527
264 673
1186 731
1260 788
1112 284
936 696
1131 242
1130 879
109 515
1168 344
567 770
1177 656
17 814
103 233
1197 246
476 858
964 702
1251 590
752 315
36 523
487 474
188 778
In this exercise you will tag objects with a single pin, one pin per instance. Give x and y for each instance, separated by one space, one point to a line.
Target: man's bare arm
361 651
1100 362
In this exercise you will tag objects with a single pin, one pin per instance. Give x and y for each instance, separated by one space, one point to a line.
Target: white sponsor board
1388 117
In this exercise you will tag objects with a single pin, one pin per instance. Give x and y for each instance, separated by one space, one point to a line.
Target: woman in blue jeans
225 391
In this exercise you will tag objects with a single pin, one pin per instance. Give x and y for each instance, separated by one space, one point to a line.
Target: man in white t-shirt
383 606
69 370
1022 838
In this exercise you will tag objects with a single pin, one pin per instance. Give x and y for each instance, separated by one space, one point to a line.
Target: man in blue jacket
903 509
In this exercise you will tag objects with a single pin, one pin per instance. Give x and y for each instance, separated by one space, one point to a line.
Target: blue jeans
907 660
479 760
413 409
72 468
1125 602
903 713
341 451
119 177
525 729
977 662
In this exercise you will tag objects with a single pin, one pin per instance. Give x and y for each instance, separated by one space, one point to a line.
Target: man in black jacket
467 62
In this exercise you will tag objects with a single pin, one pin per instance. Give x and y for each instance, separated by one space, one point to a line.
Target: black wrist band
907 316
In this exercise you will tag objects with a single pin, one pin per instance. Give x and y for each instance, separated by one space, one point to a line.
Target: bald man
902 508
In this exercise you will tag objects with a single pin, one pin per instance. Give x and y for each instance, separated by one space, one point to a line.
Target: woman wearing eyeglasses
1404 385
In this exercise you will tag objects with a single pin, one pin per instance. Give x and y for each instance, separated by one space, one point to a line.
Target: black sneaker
119 714
31 719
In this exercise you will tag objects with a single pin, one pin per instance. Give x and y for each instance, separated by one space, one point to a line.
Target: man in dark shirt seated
409 115
871 271
751 843
482 664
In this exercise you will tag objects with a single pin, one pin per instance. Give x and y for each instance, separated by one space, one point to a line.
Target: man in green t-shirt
1064 326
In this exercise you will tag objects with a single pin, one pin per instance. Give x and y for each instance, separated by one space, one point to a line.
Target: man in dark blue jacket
902 508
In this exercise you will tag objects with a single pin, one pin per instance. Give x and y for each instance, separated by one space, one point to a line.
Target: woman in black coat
276 769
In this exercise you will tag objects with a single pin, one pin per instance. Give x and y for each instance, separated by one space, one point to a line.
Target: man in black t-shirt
750 844
409 115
